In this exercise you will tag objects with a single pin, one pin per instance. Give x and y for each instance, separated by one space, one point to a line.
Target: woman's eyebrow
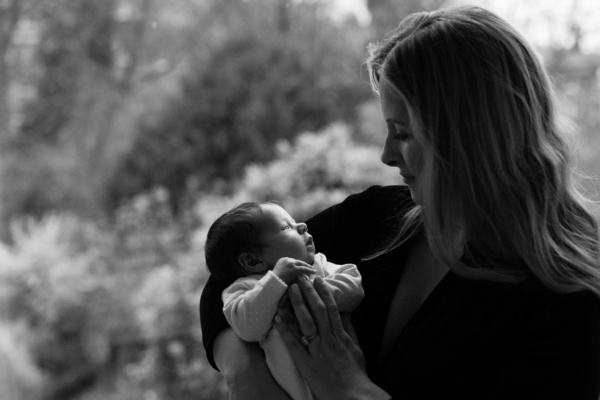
397 122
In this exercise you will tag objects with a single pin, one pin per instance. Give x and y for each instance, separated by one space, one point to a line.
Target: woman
488 281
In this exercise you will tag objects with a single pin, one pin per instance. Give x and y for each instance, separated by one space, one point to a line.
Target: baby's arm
345 283
250 305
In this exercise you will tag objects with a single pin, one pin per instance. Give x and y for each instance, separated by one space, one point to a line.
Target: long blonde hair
501 174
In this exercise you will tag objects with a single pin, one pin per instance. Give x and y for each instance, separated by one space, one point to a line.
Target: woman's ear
252 263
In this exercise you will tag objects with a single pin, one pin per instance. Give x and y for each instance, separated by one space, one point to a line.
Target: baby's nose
302 228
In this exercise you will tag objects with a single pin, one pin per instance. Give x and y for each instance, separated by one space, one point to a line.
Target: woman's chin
414 195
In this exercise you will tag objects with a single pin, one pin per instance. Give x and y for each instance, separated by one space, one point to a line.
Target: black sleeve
359 225
212 319
344 233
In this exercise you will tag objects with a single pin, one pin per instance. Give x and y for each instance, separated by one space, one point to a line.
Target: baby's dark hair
232 234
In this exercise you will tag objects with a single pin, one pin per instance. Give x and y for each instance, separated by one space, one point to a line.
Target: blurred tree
71 32
20 379
10 14
101 309
269 71
53 283
87 60
308 174
168 317
574 69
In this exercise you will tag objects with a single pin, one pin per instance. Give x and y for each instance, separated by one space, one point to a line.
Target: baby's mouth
309 242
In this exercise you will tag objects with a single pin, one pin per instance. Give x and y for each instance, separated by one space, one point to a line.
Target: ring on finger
305 340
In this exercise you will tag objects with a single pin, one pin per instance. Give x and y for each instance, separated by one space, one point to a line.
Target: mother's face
401 148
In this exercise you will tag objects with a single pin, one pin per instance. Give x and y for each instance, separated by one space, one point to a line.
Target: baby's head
250 238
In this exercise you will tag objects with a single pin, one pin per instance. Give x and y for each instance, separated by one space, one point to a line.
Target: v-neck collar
380 298
440 291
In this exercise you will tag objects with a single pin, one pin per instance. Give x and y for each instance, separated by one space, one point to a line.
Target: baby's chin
310 258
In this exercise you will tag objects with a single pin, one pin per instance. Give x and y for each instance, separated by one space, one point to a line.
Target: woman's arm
244 368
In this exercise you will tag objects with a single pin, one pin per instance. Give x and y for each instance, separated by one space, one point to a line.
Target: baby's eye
286 226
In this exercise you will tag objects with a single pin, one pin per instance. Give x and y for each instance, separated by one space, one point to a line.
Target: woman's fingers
333 367
315 308
284 301
289 338
305 320
326 296
316 305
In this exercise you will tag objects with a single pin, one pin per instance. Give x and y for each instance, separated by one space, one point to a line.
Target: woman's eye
401 133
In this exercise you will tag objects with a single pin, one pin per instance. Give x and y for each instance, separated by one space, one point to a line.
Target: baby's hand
288 269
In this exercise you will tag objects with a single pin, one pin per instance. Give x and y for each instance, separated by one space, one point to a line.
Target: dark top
470 338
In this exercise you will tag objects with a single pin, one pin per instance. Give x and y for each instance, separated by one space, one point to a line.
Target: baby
258 250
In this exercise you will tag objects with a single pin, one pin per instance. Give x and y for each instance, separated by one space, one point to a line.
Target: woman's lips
407 178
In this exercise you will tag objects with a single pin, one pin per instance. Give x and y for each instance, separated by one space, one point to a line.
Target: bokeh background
128 126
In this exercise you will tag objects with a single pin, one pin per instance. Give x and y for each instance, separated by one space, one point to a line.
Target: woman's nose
389 154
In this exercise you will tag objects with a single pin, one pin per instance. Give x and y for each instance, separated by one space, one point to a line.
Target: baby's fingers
301 263
305 270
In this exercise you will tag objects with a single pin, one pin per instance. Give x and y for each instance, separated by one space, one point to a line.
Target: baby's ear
251 263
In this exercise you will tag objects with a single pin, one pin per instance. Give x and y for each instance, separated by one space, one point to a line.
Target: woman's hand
326 355
244 368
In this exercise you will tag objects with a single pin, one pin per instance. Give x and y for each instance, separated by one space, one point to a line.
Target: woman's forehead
393 105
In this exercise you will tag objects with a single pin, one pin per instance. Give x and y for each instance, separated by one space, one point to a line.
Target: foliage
89 304
53 283
19 377
256 87
318 170
315 171
59 55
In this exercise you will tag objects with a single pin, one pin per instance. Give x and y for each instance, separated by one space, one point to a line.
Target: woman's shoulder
568 326
566 310
540 312
380 199
528 304
374 203
344 231
378 192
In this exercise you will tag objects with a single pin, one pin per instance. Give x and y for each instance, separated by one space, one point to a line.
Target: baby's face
281 236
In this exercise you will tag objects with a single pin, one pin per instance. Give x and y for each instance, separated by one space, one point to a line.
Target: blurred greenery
128 126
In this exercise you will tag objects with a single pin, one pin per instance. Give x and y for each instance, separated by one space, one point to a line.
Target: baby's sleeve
344 281
250 304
